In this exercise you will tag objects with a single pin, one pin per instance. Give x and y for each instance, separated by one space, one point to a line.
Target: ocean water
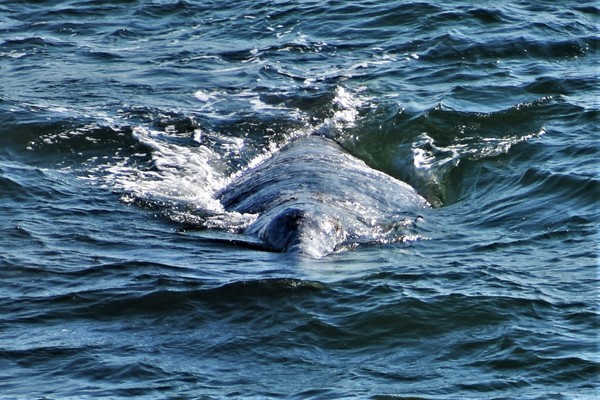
121 122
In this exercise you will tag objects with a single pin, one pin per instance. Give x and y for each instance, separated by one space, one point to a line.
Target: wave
456 48
424 148
148 299
489 110
187 158
32 42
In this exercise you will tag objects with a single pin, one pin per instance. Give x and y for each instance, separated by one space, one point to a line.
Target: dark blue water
121 121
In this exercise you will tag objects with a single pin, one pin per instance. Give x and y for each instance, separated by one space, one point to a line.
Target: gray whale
314 198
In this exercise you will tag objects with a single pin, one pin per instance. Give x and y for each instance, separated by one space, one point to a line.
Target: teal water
121 122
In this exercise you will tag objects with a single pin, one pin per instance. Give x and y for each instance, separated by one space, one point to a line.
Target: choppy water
120 121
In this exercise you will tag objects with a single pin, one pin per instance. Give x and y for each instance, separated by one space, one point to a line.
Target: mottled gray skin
312 198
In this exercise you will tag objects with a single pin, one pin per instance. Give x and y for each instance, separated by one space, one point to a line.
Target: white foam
183 176
220 104
432 162
428 156
204 96
347 107
13 54
184 181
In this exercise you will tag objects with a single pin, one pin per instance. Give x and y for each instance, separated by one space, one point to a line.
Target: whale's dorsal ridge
312 195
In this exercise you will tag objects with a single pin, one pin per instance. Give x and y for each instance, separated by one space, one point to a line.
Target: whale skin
313 198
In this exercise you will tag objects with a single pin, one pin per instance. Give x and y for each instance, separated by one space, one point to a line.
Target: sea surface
121 122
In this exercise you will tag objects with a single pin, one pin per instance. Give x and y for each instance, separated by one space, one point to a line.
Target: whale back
312 196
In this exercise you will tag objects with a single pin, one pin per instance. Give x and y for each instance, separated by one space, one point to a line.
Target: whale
313 198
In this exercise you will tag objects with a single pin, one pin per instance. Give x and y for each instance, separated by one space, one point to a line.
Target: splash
346 106
433 162
182 173
183 181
